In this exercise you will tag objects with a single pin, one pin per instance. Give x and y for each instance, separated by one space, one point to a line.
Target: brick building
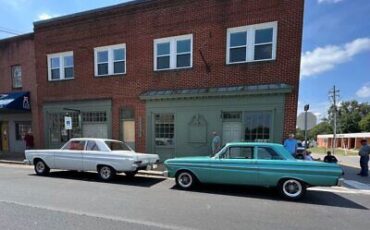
163 74
17 91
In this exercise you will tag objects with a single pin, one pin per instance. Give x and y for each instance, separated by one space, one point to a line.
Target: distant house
346 141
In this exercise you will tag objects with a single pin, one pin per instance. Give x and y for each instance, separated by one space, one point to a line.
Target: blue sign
15 101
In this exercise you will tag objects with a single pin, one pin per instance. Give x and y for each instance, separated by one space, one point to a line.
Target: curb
152 173
355 185
11 162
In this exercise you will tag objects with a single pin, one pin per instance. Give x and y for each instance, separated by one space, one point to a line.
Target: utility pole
306 108
334 95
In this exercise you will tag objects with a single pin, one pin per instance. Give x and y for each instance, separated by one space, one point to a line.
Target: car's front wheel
106 173
185 180
41 168
292 189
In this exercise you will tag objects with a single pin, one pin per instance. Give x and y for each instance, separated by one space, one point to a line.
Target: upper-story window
110 60
173 52
16 77
60 66
251 43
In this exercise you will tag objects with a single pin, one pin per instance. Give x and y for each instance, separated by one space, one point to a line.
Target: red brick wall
20 51
138 25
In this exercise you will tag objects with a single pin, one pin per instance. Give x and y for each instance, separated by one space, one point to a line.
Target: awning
17 101
217 92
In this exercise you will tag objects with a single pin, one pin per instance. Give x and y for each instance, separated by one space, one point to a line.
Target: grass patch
338 151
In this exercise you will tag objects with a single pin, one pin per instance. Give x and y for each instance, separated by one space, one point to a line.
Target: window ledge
110 75
252 62
173 70
61 80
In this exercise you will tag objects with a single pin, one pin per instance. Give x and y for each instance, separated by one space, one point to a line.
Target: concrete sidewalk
11 158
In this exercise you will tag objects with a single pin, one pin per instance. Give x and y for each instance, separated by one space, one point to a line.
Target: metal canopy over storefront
16 101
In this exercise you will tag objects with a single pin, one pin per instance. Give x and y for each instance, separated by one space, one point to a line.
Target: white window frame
111 60
250 46
12 69
173 51
61 65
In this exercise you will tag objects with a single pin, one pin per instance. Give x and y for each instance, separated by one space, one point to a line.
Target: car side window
266 153
75 145
239 152
92 146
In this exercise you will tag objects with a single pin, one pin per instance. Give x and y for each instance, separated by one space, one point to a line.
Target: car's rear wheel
41 168
292 189
106 173
185 180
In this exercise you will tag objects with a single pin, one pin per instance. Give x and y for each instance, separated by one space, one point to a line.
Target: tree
349 115
365 123
321 128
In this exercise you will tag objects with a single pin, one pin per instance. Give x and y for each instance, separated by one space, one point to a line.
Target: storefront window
21 128
58 134
257 126
164 129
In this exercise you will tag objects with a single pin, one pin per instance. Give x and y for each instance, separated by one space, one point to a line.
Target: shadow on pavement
138 180
312 197
350 173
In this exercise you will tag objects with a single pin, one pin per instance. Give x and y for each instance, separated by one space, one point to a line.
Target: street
71 200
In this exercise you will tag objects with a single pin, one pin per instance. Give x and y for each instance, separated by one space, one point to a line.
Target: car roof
91 139
253 144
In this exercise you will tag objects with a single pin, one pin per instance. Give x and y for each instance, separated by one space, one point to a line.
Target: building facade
163 74
17 91
343 140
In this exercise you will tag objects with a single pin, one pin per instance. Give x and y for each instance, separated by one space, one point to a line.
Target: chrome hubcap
292 188
40 167
105 172
185 180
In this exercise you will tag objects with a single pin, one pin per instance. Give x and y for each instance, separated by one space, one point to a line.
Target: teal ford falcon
255 164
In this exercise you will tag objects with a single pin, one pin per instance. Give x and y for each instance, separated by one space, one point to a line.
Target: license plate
155 166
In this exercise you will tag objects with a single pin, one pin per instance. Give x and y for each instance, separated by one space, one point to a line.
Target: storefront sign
68 123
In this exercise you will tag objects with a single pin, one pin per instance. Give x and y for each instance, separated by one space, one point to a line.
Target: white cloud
45 16
323 59
364 91
329 1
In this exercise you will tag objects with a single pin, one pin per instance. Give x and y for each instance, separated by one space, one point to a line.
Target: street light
306 108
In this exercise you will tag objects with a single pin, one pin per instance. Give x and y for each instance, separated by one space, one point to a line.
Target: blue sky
336 43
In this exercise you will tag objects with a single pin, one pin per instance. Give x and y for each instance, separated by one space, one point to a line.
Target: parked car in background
256 164
105 156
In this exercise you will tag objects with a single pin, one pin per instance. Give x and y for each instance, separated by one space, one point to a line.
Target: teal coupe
255 164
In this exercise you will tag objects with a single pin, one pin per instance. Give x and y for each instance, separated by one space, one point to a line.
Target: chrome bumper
165 173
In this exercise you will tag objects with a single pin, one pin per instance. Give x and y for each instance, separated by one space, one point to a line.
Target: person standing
364 158
291 145
216 143
28 138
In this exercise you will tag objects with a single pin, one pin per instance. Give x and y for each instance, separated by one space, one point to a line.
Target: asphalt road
71 200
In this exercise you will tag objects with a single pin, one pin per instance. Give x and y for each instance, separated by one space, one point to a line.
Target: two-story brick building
163 74
17 91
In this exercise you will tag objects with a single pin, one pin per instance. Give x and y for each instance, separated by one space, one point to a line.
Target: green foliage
321 128
349 115
365 123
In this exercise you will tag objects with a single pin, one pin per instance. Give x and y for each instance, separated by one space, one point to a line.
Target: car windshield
117 146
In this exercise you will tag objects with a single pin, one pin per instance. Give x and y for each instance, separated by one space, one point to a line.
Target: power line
9 32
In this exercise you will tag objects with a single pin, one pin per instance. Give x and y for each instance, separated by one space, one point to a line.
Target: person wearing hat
364 158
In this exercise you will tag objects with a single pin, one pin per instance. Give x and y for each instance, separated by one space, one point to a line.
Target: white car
105 156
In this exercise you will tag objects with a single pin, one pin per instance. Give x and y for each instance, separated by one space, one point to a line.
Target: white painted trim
173 51
110 50
251 31
61 65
